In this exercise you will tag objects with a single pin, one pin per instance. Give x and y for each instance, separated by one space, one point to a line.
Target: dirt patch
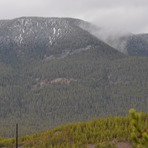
124 145
91 146
63 80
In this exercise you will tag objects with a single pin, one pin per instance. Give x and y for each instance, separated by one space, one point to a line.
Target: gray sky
119 15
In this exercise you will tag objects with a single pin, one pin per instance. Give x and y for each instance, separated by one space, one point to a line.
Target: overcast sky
119 15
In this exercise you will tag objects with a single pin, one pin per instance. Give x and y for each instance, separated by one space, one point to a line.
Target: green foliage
140 131
101 133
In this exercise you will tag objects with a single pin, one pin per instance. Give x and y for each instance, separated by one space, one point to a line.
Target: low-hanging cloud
111 15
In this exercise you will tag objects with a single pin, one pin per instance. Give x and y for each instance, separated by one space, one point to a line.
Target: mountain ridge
43 36
47 36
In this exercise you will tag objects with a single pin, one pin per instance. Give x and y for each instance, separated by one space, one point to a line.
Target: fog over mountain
51 35
117 19
112 15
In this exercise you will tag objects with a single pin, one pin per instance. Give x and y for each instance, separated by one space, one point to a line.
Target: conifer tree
139 133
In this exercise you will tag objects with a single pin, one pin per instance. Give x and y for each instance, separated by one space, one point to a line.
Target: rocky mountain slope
43 37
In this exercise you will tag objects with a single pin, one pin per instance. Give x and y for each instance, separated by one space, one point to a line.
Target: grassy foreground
98 133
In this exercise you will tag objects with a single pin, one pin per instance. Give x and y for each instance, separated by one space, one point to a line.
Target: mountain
30 37
36 37
137 45
129 44
54 71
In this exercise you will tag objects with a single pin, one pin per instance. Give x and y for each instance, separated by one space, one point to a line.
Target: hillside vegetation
94 83
97 133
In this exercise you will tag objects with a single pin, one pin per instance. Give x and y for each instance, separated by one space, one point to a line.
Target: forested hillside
137 44
75 80
93 83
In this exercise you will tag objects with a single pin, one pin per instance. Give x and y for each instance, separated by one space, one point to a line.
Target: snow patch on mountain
23 29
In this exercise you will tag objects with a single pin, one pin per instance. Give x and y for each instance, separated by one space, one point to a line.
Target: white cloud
121 19
127 15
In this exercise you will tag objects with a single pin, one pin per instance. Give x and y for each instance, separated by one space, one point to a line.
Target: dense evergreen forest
97 133
41 94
